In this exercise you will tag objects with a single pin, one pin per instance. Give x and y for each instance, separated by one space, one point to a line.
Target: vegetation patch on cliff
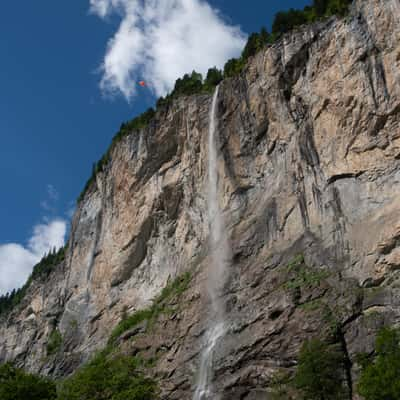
159 306
300 275
54 343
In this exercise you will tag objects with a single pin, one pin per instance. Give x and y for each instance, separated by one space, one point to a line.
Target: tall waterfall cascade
219 258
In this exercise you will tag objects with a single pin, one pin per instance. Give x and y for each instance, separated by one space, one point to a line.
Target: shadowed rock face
309 162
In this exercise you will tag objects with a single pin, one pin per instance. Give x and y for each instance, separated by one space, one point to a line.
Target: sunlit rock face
308 162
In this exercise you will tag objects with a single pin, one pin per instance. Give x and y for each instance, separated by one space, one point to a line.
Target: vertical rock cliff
309 164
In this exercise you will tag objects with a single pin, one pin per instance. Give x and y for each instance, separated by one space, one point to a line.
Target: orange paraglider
142 83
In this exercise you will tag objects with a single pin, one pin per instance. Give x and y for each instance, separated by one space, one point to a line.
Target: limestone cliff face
309 163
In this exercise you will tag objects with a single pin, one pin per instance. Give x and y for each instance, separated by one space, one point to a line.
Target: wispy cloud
49 205
52 192
160 40
71 207
17 260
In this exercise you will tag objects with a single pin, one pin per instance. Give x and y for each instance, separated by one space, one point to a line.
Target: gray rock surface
309 162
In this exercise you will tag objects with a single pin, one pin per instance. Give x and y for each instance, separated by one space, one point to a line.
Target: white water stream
219 259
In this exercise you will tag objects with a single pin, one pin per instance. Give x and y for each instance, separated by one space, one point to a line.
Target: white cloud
16 261
47 236
161 40
70 209
52 192
50 204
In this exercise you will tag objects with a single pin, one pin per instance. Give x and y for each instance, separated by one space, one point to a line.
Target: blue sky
55 120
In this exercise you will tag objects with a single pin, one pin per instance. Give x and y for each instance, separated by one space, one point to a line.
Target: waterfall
219 255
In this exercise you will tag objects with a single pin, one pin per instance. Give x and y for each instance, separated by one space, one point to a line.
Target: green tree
162 101
253 45
285 21
264 36
189 84
320 7
338 7
280 384
233 67
54 343
213 78
320 371
15 384
108 378
380 379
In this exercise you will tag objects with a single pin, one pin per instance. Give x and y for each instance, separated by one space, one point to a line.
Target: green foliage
338 7
312 305
43 269
233 67
116 377
213 78
380 378
105 377
175 288
363 360
185 86
188 85
40 272
192 84
159 306
320 7
280 384
307 278
303 276
54 343
296 262
325 8
330 318
320 371
73 324
131 321
286 21
255 43
15 384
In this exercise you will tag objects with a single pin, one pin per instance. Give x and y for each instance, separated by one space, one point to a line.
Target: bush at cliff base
320 371
380 378
108 378
15 384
